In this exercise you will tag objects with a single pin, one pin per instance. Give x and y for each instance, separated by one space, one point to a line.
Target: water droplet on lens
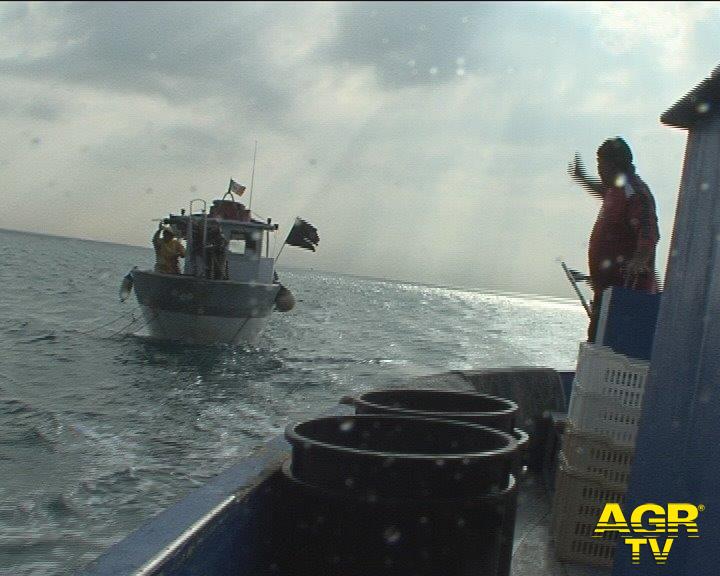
391 535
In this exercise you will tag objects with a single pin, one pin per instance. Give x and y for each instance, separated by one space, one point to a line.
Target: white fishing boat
228 287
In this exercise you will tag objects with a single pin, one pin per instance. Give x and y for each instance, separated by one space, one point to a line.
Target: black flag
578 276
303 235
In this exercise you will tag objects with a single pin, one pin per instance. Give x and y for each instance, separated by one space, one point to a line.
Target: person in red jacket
623 240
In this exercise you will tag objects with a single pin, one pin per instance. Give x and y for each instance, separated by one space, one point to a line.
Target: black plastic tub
521 458
471 407
336 533
401 456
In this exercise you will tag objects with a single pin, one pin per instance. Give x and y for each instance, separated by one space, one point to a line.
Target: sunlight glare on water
99 432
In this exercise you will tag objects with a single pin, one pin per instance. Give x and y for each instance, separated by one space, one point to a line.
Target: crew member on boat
623 240
217 254
168 251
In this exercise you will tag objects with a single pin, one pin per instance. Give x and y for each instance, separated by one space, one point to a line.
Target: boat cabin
225 243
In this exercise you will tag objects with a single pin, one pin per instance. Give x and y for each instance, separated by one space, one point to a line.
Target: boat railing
190 237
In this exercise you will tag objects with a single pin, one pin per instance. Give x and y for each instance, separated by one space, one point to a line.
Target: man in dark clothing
623 240
217 254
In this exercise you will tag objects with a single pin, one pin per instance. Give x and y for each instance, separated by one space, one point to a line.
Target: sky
427 142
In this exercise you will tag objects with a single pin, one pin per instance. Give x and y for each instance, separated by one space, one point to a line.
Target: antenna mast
252 177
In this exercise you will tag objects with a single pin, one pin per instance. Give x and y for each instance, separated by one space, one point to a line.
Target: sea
101 428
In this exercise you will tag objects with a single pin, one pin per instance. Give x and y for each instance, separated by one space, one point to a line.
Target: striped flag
236 188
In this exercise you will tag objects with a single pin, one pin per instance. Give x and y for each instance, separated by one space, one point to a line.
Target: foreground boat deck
222 527
533 553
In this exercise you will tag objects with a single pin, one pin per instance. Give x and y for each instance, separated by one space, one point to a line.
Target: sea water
101 429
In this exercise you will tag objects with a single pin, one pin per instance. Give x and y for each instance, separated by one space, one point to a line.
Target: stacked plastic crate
597 450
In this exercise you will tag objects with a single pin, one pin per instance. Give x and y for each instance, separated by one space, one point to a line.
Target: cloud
426 141
667 28
194 51
408 43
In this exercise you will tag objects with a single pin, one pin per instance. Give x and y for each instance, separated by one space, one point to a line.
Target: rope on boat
239 329
126 326
108 323
147 321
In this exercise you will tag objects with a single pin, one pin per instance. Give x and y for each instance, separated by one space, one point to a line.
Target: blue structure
678 446
627 321
220 528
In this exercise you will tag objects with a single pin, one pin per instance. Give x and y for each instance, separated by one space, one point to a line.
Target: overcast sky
427 141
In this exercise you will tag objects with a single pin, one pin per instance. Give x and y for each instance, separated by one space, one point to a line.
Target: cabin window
237 246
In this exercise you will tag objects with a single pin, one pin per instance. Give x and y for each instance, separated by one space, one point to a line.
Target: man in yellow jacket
167 251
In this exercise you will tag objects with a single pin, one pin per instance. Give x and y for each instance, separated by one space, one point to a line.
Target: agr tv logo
648 522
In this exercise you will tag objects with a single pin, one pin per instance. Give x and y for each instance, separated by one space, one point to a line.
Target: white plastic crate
603 416
607 373
577 505
596 456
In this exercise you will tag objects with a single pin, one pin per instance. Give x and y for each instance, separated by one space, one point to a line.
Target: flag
236 188
578 276
303 235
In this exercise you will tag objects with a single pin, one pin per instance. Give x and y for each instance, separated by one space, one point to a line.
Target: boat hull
199 311
194 329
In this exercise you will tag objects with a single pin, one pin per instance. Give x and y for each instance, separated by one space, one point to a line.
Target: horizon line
457 287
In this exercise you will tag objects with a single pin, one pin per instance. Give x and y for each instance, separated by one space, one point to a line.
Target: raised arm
577 172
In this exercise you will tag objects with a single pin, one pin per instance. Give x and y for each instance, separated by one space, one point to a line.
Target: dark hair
616 151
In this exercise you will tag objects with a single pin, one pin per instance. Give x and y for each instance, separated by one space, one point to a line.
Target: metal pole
577 290
252 177
285 242
281 249
204 258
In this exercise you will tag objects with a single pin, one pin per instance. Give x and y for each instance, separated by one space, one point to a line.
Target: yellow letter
635 543
660 557
658 521
674 520
612 512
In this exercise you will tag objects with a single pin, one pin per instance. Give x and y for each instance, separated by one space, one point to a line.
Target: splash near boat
227 287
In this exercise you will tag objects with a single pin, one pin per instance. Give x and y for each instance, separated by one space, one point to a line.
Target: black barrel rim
512 485
521 436
508 450
510 406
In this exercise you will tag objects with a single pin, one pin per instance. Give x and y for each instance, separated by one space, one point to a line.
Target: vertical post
189 261
204 258
677 454
252 178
